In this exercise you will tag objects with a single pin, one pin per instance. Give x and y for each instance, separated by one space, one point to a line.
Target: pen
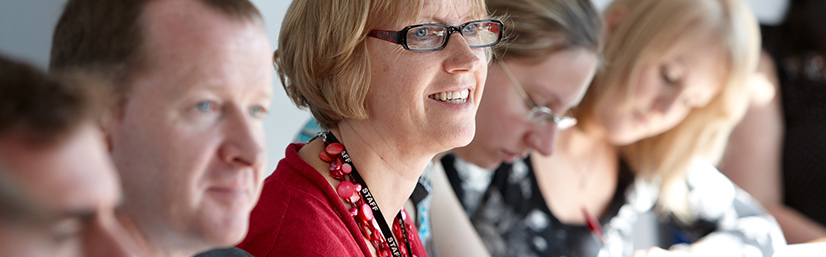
594 226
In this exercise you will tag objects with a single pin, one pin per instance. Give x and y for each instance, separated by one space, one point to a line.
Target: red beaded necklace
354 192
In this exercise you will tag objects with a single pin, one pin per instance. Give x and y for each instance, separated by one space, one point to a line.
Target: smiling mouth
454 97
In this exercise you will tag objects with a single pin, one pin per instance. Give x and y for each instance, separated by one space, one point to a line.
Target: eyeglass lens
434 36
543 115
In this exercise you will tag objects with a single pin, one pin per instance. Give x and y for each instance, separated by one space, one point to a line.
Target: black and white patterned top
512 218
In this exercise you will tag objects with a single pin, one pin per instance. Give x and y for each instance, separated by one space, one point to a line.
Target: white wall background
26 27
769 12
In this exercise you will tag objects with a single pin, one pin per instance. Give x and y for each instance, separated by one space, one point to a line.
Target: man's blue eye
204 106
256 111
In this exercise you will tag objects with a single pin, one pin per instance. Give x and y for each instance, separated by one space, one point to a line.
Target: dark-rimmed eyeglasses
433 36
539 115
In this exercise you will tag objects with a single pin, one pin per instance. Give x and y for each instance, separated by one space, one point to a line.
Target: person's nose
461 57
244 140
542 138
664 103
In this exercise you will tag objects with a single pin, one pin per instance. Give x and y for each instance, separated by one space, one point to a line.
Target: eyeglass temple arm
386 35
517 86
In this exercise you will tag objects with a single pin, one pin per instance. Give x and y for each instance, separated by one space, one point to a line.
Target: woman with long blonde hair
674 87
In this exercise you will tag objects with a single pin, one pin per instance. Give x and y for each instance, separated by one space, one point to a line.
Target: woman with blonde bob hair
394 83
652 125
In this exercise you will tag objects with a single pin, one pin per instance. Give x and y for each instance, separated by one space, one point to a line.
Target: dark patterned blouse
512 218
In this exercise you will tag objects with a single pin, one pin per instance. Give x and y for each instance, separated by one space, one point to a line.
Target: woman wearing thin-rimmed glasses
543 70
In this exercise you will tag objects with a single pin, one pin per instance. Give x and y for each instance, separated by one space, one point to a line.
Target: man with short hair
58 187
193 80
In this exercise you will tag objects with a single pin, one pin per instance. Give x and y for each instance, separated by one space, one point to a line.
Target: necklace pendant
334 148
365 213
346 189
324 156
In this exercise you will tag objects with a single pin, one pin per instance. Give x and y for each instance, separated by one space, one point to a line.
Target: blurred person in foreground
394 83
58 188
541 72
192 80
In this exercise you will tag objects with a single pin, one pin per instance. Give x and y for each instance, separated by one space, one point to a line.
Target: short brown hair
322 58
537 28
42 109
107 36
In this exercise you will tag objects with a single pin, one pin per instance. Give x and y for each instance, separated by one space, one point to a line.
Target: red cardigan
299 214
